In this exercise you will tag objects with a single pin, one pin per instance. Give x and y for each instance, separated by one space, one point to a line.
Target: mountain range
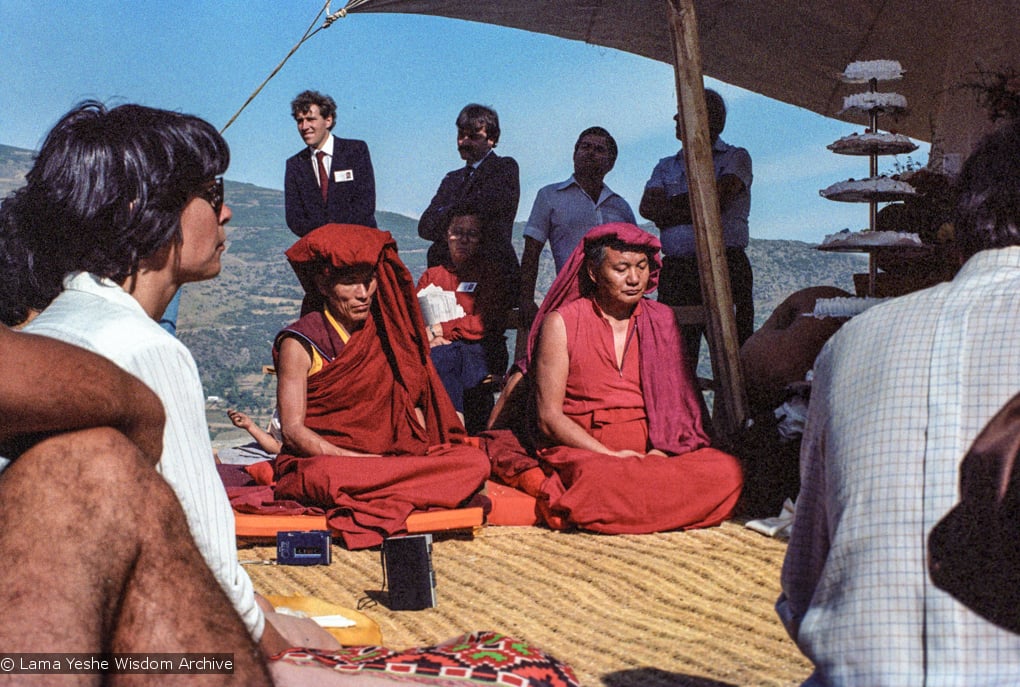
229 323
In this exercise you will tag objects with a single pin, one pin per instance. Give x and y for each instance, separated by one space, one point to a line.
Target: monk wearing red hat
369 432
612 440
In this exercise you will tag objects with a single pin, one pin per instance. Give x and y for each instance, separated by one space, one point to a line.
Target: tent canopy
793 50
790 50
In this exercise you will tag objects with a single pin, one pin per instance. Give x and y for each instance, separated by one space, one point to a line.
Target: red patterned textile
476 658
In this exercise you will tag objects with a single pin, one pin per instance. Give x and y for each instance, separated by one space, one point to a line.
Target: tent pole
711 251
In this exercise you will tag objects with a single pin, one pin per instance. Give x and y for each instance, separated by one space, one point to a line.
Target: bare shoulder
295 354
554 322
552 339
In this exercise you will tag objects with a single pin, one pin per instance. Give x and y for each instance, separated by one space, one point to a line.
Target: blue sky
399 81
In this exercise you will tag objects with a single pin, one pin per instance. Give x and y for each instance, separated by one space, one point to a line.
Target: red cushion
510 506
261 472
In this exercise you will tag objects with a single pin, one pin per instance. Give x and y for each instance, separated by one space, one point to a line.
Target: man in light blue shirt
666 202
564 212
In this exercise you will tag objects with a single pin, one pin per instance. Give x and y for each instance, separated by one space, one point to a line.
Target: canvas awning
793 50
790 50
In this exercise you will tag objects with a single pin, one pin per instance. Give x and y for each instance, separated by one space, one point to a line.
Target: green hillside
14 164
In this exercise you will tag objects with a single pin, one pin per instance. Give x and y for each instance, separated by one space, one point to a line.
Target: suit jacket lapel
306 171
339 156
487 163
471 177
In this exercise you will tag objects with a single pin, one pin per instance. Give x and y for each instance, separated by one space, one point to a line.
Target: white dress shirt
98 315
327 160
563 213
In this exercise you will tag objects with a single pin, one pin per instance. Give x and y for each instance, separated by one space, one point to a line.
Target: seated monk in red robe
620 446
369 433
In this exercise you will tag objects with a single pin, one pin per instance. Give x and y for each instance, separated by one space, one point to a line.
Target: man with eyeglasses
331 179
487 182
564 212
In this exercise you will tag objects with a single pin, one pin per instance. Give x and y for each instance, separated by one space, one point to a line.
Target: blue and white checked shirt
899 394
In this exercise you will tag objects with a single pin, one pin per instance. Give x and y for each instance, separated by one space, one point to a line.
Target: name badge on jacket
467 286
343 175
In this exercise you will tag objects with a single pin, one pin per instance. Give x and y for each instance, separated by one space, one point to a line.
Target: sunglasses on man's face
213 193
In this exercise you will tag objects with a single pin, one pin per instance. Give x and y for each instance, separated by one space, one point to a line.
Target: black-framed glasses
479 135
469 236
213 193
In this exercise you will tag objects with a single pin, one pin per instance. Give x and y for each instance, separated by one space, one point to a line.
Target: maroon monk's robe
633 495
692 486
364 400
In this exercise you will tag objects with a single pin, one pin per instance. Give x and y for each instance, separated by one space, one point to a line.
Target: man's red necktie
323 177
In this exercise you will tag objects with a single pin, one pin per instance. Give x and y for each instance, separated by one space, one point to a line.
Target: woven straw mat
658 610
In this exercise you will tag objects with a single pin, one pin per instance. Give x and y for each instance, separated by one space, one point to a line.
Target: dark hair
474 116
599 131
107 190
463 209
988 200
304 101
595 255
716 107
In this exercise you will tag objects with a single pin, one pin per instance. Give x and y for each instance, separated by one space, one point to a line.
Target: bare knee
91 483
100 462
78 450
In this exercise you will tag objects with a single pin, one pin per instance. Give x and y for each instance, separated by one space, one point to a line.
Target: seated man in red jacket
467 346
369 432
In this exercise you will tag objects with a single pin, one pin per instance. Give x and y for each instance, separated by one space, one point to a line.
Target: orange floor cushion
252 528
510 507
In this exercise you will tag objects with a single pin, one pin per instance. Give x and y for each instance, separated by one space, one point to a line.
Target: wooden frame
720 321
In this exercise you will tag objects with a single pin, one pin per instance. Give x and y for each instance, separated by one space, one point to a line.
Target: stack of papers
334 620
438 305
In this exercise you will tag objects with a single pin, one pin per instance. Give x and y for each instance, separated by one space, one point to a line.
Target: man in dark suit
349 196
487 182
